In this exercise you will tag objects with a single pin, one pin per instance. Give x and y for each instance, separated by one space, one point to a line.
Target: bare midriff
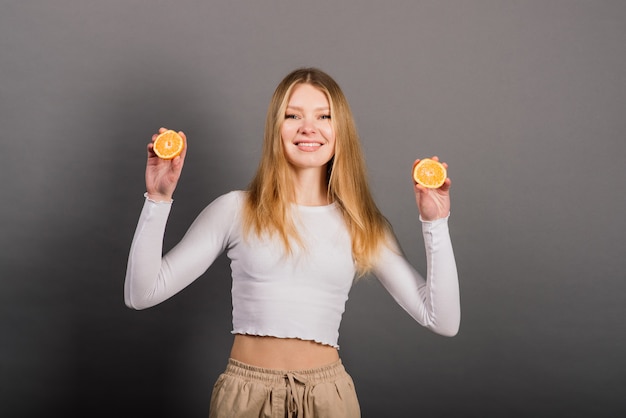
282 353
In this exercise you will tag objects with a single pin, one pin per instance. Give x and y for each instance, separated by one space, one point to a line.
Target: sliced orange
430 173
168 145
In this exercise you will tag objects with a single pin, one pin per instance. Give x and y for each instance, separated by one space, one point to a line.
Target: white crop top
299 295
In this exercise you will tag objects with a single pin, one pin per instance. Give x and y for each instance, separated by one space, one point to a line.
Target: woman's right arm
144 262
151 277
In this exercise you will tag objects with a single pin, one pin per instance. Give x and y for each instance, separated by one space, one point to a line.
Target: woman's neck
310 187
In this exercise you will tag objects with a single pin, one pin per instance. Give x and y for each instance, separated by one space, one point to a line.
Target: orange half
168 145
430 173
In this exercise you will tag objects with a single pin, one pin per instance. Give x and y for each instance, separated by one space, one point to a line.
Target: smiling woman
297 238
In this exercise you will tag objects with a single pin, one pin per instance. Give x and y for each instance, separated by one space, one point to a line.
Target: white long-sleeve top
298 295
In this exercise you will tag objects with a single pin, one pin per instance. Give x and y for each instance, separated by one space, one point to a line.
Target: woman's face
307 132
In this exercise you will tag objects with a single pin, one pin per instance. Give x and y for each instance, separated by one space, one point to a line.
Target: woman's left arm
433 302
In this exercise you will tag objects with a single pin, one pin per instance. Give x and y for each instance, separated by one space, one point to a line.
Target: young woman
305 228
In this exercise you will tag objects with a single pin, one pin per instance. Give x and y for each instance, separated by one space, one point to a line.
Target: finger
162 129
446 185
177 163
152 154
419 188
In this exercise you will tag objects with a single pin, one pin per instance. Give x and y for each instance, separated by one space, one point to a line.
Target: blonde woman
305 228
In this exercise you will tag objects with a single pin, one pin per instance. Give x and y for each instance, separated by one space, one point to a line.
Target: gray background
524 99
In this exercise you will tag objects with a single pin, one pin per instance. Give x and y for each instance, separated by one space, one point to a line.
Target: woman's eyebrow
323 108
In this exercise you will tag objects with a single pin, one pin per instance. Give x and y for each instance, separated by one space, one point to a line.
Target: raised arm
143 272
433 301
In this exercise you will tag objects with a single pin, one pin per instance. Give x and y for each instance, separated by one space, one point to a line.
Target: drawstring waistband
248 391
288 379
261 374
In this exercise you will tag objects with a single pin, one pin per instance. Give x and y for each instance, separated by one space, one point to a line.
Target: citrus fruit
429 173
168 145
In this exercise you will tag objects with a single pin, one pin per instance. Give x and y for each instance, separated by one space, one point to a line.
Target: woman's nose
307 126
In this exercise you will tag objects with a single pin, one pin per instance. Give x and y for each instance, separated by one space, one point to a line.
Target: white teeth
307 144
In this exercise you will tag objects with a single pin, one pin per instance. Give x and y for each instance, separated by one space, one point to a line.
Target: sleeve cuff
167 202
435 222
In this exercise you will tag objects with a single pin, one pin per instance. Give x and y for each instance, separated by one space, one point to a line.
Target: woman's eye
291 116
325 117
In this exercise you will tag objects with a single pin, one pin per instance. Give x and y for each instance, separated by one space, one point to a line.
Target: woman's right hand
162 175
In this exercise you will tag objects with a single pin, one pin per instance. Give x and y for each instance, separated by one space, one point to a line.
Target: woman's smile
308 146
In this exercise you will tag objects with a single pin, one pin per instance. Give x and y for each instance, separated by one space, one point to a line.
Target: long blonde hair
271 192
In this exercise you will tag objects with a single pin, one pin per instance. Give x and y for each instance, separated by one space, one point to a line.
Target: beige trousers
245 391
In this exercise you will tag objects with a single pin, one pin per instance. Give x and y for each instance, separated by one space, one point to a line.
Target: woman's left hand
432 203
